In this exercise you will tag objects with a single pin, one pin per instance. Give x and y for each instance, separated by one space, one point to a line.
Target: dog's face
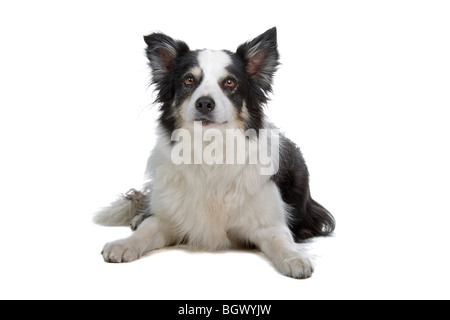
218 88
207 89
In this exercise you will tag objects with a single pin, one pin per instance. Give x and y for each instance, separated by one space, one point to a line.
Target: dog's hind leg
137 221
141 201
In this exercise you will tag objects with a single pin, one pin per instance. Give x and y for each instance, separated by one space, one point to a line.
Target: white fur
212 64
119 213
212 207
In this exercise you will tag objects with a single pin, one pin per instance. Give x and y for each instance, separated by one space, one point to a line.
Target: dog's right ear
162 52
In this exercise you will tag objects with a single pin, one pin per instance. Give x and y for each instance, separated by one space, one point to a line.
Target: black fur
308 218
261 60
165 58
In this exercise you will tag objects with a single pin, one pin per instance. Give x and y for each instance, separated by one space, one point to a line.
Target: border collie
209 185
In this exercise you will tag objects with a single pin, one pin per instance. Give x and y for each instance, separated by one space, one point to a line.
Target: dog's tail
313 221
122 211
320 222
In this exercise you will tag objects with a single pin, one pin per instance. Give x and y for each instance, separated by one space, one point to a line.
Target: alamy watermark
232 147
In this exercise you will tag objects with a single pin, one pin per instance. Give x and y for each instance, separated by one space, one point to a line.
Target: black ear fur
162 52
261 58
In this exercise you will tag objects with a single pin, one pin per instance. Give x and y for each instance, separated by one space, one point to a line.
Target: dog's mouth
208 122
205 121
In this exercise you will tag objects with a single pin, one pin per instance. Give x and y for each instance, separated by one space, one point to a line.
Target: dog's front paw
299 267
120 251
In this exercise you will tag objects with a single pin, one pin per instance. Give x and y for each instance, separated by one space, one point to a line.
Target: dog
220 203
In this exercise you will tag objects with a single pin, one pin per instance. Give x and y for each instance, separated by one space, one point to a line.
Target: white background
363 89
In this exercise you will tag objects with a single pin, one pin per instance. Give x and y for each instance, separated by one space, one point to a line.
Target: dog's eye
189 81
230 83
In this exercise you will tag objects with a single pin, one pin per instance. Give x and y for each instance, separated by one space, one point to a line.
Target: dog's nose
205 105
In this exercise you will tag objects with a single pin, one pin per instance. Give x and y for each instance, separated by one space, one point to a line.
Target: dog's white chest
202 202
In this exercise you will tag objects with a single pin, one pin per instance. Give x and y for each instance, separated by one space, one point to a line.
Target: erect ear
162 52
261 58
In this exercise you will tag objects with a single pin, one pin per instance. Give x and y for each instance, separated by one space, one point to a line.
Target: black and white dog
210 187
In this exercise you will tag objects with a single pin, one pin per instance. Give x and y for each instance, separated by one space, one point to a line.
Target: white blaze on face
213 67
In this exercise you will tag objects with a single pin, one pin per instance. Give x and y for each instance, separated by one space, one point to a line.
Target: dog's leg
141 201
264 225
137 220
278 245
152 234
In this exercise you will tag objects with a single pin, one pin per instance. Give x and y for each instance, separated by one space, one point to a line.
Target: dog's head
219 88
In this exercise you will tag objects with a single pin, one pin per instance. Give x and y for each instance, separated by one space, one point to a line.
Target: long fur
218 206
124 209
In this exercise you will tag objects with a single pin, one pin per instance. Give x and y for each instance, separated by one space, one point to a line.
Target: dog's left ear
261 58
